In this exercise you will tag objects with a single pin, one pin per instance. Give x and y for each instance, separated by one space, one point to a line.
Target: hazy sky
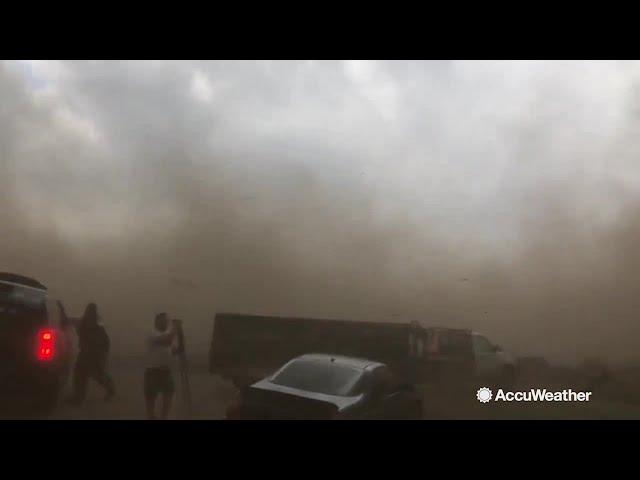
343 189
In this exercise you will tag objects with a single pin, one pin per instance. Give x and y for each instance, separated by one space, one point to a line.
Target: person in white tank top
157 376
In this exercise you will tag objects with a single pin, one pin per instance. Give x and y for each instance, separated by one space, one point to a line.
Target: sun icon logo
484 395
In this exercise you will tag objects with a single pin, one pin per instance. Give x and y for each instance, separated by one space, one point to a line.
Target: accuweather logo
484 395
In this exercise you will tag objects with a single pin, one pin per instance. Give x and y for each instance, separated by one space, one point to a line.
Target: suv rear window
320 377
14 295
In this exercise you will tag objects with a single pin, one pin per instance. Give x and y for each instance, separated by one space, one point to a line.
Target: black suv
35 346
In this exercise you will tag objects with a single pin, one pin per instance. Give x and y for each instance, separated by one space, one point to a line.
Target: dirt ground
211 396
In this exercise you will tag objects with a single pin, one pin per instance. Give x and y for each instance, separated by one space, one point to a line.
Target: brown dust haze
498 196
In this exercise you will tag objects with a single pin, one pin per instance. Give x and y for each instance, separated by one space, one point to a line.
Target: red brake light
46 345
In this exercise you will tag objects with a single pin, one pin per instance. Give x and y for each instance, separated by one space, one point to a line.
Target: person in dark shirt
93 346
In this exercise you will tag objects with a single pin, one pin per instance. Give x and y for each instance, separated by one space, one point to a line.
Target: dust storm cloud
501 196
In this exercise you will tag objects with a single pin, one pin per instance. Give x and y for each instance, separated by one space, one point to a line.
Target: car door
64 342
487 360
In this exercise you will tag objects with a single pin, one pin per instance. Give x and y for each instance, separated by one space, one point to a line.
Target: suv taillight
46 344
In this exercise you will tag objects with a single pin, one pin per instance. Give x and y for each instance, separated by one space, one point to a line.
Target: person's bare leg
105 381
166 405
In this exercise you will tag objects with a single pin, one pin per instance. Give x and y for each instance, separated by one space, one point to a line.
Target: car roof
16 279
359 363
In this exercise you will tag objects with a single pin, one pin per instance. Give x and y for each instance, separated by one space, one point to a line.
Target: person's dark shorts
158 380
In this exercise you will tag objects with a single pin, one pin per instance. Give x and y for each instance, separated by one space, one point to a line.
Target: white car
448 352
491 361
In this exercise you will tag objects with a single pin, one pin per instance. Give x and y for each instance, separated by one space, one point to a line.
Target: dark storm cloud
362 190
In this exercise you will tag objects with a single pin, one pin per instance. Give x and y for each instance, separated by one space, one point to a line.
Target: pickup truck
36 348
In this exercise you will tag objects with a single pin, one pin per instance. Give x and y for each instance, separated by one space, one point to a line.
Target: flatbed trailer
246 348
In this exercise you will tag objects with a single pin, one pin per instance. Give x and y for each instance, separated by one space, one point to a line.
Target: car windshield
320 377
13 295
